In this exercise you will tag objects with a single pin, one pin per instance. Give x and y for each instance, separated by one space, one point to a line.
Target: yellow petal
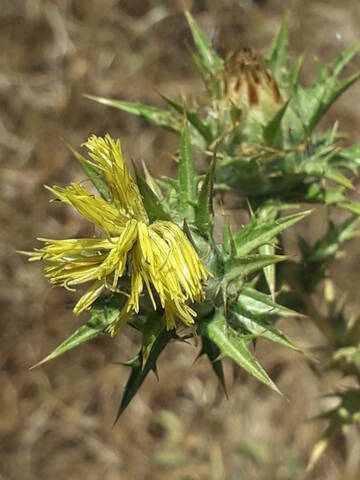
94 209
109 159
89 297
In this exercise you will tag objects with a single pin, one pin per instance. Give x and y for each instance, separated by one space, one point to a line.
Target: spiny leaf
192 117
261 305
278 55
314 102
242 316
346 413
330 95
351 154
239 268
209 59
101 317
155 115
204 211
353 207
228 240
335 175
212 351
187 176
253 236
93 173
272 130
150 330
138 373
269 212
295 73
343 59
234 345
335 236
269 271
152 204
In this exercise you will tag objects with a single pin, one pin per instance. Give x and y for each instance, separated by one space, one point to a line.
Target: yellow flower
156 254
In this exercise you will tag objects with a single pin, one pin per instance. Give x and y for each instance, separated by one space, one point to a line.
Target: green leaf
344 58
239 268
278 55
235 346
93 173
209 60
204 215
315 101
295 73
255 324
338 177
212 351
100 318
229 247
155 115
192 117
335 237
270 270
152 203
261 305
272 130
139 373
150 330
253 235
353 207
329 97
268 213
351 155
187 176
345 413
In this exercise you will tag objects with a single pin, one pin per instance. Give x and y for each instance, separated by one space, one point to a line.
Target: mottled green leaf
253 323
235 345
253 236
238 268
261 305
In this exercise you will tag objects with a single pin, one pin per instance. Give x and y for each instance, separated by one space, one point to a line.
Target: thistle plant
156 265
162 238
260 123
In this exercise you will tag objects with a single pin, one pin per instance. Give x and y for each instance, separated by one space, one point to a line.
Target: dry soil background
56 421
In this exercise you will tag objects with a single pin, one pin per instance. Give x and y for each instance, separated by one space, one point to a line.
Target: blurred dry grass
56 421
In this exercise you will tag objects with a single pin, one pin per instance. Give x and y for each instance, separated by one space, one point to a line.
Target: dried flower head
249 86
156 254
